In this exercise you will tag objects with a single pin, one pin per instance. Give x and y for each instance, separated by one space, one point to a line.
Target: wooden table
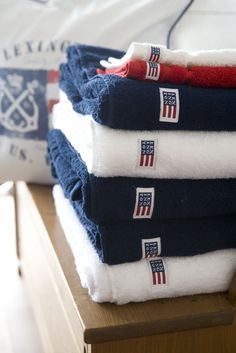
69 322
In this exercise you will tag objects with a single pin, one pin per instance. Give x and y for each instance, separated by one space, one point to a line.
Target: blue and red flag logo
151 247
144 203
158 272
154 54
152 71
169 105
146 153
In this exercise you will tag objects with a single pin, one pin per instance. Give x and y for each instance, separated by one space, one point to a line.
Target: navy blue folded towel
118 242
123 103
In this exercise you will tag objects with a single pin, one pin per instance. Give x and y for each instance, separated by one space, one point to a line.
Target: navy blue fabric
121 242
118 242
123 103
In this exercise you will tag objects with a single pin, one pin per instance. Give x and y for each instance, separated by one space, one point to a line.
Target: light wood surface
18 330
95 328
55 309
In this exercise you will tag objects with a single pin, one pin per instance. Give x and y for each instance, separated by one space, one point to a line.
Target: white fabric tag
169 105
158 272
144 203
151 247
152 71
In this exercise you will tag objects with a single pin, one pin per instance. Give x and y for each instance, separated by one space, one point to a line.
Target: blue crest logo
23 103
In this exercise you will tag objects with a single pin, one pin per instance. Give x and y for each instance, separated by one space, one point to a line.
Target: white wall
208 24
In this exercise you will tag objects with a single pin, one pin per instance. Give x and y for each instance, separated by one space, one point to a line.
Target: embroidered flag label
152 71
169 105
151 247
144 203
158 272
146 153
154 54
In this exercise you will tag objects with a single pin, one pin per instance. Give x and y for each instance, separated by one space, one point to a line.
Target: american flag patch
154 54
152 71
158 272
151 247
144 203
146 153
169 105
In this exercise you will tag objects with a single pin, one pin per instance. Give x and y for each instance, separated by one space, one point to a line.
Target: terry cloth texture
159 53
115 199
123 103
202 76
177 154
135 281
119 242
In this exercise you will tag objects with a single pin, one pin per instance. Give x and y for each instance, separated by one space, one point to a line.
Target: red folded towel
204 76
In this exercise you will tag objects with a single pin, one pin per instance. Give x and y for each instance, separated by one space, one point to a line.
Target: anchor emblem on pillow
18 108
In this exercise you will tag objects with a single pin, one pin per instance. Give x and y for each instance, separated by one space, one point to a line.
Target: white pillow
34 35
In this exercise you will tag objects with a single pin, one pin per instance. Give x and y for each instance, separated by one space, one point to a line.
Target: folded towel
123 103
146 279
120 198
203 76
119 242
159 53
176 154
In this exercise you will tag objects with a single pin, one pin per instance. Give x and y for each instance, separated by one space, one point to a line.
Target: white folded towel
176 276
159 53
177 154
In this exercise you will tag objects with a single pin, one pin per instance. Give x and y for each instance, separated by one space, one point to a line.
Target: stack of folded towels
143 146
